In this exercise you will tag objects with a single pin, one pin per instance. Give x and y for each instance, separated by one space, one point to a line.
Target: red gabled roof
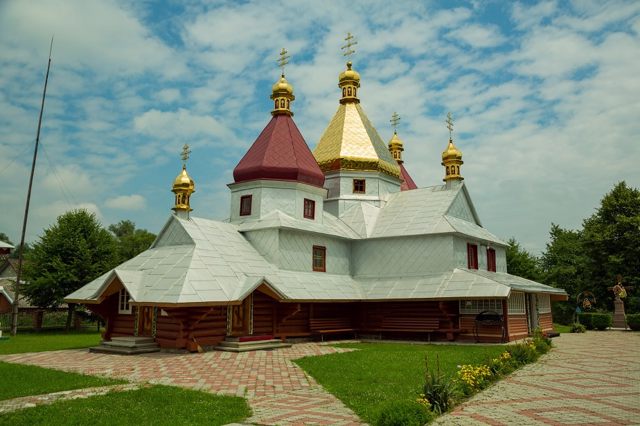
407 181
279 153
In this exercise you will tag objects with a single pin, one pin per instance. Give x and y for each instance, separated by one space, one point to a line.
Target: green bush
632 305
400 413
578 328
439 390
633 321
601 321
584 318
541 342
563 312
523 353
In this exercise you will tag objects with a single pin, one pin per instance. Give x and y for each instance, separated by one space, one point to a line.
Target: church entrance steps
127 346
241 344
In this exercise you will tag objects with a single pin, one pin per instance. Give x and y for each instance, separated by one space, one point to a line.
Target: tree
71 253
4 237
564 262
131 241
612 240
522 263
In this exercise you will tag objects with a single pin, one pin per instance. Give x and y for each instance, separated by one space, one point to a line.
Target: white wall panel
266 243
296 250
415 255
460 208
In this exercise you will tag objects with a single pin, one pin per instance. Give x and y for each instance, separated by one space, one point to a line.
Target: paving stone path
588 379
278 391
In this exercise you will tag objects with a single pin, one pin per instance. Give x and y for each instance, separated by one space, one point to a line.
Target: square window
309 209
245 205
359 186
472 256
319 258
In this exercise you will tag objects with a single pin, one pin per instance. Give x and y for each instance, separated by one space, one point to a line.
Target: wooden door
145 321
241 318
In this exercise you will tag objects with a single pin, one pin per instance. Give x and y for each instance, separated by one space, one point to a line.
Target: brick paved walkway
588 379
278 391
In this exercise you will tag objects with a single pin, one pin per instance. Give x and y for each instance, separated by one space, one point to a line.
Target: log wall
518 327
264 314
546 321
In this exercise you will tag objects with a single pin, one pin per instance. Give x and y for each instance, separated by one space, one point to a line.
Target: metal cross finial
185 154
449 122
351 41
283 59
395 119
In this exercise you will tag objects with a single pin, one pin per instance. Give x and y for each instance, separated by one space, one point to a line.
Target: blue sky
545 95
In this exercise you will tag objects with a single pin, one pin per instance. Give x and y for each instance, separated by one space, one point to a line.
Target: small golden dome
451 153
349 76
183 182
282 87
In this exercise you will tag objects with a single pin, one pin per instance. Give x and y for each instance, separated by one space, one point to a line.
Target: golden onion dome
282 87
183 181
395 140
451 153
349 76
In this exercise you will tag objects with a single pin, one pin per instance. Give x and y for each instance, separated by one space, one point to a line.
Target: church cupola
183 187
282 91
451 157
349 80
396 146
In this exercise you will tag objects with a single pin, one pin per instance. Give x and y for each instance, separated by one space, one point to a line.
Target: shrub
474 378
563 312
584 318
633 321
398 413
578 328
601 321
439 390
523 353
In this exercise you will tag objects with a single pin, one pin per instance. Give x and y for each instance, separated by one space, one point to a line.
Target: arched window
348 91
281 103
276 104
458 169
288 104
344 92
447 170
355 92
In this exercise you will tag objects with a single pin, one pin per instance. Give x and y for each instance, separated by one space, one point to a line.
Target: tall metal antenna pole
16 292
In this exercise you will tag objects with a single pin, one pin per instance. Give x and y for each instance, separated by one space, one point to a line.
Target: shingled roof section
407 181
279 153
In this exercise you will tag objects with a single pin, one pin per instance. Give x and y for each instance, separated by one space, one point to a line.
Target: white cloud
127 202
478 36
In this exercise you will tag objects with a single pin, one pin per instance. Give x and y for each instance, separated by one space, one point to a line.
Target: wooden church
339 241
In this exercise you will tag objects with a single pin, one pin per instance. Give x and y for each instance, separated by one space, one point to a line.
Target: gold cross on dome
351 41
449 122
185 154
283 59
395 119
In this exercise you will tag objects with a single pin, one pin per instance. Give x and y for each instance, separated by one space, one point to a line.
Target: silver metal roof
5 245
330 225
6 294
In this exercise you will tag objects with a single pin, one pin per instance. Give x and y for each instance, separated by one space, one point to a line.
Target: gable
461 209
173 234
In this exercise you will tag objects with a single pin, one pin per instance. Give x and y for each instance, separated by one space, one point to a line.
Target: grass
22 380
155 405
48 341
562 328
382 372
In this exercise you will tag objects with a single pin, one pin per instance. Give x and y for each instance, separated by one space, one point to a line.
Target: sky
545 97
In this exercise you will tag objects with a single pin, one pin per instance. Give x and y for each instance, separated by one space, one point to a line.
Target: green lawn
382 372
156 405
48 341
22 380
562 328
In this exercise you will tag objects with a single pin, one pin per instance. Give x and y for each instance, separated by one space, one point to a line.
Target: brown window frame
491 259
364 186
322 250
309 209
243 210
472 256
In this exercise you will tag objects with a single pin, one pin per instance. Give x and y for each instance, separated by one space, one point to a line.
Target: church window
319 258
349 91
491 260
359 186
344 92
447 170
544 303
123 302
355 91
276 104
245 205
287 103
472 256
309 209
516 303
475 306
281 103
457 169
